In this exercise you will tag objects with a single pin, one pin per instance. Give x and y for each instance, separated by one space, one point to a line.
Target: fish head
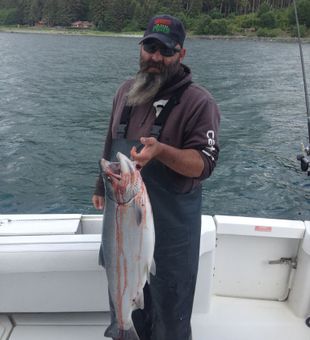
122 179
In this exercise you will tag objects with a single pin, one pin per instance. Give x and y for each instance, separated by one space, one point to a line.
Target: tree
268 20
144 10
76 9
263 8
50 12
8 16
35 11
193 7
116 16
202 24
303 10
97 9
218 27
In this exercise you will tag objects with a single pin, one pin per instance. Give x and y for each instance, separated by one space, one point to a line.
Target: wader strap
159 121
123 125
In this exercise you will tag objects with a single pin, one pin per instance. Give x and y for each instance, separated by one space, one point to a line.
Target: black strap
123 125
174 100
159 121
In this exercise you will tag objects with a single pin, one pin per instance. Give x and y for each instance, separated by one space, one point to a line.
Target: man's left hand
150 150
187 162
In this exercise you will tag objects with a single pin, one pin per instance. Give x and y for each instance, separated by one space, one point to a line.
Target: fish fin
139 301
130 334
153 268
138 212
101 258
114 332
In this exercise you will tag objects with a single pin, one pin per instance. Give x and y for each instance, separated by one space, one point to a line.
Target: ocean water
56 93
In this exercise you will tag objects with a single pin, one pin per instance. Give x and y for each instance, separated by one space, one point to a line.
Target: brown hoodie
192 124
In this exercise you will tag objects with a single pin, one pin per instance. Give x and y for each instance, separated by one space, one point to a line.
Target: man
169 126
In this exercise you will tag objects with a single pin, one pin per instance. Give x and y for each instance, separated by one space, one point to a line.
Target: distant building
40 23
82 24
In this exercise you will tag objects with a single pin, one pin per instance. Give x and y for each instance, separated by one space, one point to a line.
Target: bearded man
169 126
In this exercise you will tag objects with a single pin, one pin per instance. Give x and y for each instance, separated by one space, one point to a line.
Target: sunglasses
165 51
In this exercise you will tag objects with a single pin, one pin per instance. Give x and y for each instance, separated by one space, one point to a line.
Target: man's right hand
98 202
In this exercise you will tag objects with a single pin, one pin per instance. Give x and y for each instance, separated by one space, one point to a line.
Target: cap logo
162 25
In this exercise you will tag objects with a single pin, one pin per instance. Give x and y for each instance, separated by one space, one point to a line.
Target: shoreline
251 38
94 33
64 31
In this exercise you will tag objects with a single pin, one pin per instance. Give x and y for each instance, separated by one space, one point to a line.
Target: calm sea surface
55 101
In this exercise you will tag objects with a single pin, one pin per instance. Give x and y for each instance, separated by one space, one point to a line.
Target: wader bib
177 219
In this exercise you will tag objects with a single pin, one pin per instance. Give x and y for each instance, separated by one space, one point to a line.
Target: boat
253 280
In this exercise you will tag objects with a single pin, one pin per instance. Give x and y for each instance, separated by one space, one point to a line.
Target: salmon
128 241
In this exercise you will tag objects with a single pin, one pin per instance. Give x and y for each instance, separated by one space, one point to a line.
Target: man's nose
156 56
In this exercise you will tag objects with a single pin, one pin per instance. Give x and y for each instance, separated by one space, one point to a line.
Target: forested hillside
225 17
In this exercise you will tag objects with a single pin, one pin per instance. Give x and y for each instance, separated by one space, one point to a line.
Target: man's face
156 61
157 67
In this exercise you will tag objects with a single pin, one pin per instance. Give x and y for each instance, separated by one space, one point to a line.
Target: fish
128 242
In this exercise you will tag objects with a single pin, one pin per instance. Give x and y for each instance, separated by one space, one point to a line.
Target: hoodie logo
211 138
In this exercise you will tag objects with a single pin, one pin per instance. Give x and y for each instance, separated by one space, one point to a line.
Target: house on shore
81 24
41 23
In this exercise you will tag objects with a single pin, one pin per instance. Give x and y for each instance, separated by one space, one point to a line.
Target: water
55 100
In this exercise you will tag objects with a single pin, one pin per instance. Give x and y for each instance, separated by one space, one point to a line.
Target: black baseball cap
167 29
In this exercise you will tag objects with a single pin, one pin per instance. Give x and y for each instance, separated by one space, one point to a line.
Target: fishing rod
304 157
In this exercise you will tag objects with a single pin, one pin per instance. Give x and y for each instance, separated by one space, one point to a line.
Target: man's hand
187 162
98 202
151 149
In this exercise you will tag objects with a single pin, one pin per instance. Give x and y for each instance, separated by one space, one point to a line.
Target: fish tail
120 334
112 331
130 334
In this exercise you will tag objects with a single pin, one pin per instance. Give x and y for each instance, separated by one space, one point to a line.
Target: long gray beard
146 85
144 88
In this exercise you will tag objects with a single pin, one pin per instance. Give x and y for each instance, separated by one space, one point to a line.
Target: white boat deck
228 319
248 319
52 288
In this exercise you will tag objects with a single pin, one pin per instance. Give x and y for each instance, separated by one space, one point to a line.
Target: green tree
218 27
50 12
23 10
215 14
97 9
35 11
202 24
64 15
248 20
282 17
266 32
268 20
8 16
144 11
116 16
76 9
303 10
263 8
196 7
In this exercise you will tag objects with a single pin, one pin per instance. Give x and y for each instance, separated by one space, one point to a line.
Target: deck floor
229 319
244 319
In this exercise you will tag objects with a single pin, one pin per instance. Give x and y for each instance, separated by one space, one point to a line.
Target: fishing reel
304 159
